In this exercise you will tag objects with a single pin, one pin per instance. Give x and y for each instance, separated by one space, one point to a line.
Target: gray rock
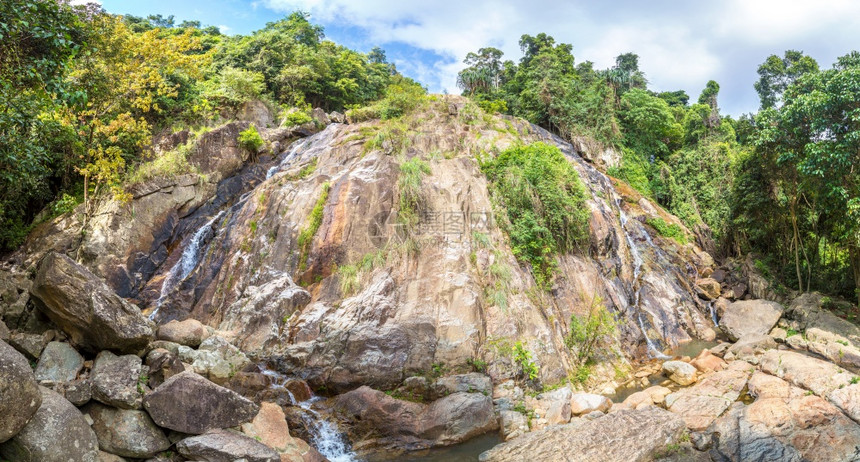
337 117
116 380
4 332
320 116
472 382
162 365
216 359
79 392
626 435
125 432
85 308
226 446
513 424
59 363
57 432
30 345
189 403
19 394
750 317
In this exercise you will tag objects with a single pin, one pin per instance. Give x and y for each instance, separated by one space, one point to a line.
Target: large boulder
85 308
819 376
750 317
116 380
701 404
216 359
789 426
452 419
270 428
189 403
189 332
58 432
471 382
59 363
126 433
19 394
583 403
680 372
226 446
626 435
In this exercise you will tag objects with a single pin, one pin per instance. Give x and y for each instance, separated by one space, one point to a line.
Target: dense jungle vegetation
82 92
782 184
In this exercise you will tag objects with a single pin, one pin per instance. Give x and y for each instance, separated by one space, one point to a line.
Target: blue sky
681 44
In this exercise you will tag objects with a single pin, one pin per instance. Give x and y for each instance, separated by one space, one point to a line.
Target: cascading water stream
714 317
187 262
636 286
325 436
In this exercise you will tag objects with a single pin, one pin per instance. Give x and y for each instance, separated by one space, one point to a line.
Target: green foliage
523 358
295 118
670 230
392 137
351 276
306 236
410 201
232 87
250 139
543 198
477 364
587 331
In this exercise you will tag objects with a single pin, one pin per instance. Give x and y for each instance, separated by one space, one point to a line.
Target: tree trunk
854 255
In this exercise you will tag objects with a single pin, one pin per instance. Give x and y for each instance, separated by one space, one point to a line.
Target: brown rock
706 362
189 332
708 288
626 435
85 308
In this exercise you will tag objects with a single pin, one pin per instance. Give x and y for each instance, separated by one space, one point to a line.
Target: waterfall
714 317
325 436
636 285
189 260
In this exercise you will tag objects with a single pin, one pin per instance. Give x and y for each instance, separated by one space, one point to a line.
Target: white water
325 436
713 314
636 286
187 262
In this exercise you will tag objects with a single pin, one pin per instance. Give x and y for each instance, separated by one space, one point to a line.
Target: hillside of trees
82 92
782 184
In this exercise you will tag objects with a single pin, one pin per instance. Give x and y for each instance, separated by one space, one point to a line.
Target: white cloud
680 44
224 29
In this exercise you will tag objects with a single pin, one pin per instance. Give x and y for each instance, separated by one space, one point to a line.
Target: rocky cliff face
222 247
